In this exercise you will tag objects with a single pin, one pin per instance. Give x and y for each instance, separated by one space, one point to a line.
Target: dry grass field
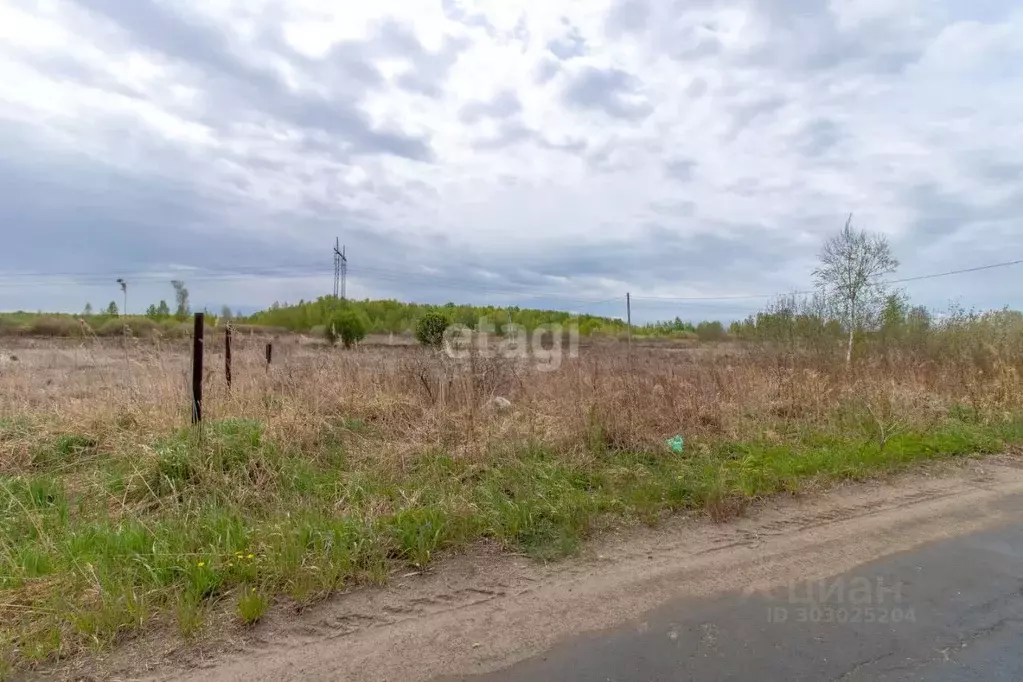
332 468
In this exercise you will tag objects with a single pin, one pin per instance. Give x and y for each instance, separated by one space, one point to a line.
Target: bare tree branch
852 263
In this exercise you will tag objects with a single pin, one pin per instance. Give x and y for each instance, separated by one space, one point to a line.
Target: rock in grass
499 404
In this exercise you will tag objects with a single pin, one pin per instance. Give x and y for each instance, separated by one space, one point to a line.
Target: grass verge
99 541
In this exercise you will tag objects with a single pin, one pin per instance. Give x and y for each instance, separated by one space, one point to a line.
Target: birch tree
852 264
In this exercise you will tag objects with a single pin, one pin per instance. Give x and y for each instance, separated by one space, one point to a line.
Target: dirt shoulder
486 610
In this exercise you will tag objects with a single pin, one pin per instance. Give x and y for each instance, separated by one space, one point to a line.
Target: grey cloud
429 69
680 169
954 230
110 220
115 219
676 209
156 28
507 136
515 132
233 86
503 105
572 145
346 62
944 212
746 187
678 31
706 46
118 220
662 255
697 88
521 30
209 209
546 70
607 157
627 16
568 46
998 170
806 37
606 90
64 68
454 11
819 55
668 256
692 42
746 112
819 137
414 82
617 155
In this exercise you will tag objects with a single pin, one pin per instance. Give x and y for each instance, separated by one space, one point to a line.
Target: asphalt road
952 610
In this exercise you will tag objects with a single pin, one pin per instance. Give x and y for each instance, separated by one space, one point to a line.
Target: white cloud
590 147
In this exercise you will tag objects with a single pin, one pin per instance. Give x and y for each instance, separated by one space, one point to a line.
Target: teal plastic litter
676 444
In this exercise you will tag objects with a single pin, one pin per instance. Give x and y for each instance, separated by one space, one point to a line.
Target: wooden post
197 348
227 355
628 314
269 355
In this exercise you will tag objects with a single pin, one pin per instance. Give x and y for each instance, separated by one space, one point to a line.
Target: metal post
269 355
197 351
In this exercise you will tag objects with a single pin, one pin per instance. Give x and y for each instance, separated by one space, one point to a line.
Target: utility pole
340 270
628 313
344 274
337 266
124 288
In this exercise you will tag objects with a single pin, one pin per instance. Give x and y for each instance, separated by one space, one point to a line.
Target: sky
553 153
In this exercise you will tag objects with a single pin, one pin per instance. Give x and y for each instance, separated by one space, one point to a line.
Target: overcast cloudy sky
538 152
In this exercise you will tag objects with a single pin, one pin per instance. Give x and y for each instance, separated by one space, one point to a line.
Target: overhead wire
300 271
810 291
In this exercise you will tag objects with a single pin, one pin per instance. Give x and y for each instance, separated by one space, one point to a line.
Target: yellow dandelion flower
252 556
201 564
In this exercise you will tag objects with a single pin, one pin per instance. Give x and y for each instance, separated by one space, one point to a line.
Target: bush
347 327
710 331
54 326
430 329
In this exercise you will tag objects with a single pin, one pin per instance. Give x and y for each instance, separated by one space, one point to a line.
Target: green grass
98 541
252 605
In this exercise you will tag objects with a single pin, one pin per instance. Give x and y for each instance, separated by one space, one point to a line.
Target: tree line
397 317
850 300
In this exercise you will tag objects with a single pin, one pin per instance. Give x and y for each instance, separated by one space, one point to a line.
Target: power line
810 291
739 297
291 272
955 272
18 279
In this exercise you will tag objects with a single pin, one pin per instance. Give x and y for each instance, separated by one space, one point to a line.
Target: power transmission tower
124 288
340 269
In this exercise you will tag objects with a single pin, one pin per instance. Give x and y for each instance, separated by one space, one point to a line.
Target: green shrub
430 329
710 331
347 326
53 326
